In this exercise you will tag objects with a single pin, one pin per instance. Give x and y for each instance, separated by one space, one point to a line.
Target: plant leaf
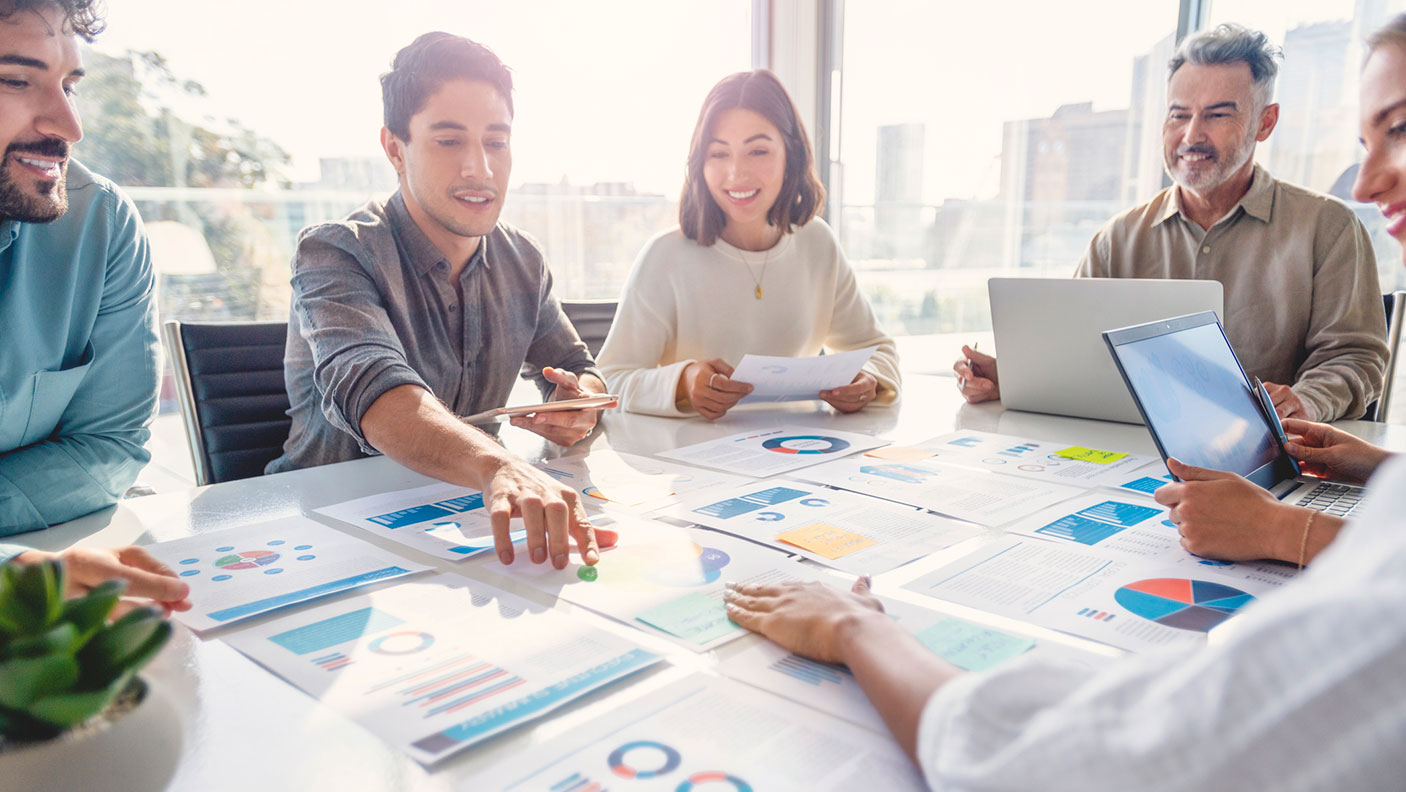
61 640
119 647
24 679
90 611
66 710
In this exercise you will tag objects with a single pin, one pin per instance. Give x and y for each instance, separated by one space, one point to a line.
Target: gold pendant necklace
757 279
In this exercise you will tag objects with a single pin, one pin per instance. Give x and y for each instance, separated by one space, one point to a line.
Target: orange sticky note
826 540
900 453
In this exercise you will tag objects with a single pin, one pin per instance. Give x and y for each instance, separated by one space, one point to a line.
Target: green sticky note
970 647
695 617
1093 455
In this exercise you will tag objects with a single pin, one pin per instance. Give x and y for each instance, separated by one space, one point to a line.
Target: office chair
592 319
229 379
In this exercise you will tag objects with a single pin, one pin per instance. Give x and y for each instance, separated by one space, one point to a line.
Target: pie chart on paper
1181 603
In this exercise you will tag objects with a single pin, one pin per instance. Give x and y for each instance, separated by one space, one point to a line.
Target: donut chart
646 750
401 643
805 444
249 559
708 780
1181 603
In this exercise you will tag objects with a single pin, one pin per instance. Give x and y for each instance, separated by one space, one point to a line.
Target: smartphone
603 401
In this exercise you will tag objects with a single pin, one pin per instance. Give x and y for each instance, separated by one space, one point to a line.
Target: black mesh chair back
229 376
592 319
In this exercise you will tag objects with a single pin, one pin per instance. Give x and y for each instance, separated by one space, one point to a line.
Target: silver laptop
1051 355
1202 409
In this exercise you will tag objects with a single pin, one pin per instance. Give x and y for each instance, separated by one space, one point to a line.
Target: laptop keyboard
1335 499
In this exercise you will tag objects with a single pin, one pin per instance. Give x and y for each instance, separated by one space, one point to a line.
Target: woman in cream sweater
751 269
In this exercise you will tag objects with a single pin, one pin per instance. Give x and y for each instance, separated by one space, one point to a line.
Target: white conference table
246 729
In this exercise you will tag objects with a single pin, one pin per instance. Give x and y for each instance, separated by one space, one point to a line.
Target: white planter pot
138 752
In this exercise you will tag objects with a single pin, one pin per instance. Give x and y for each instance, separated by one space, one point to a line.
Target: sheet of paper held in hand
779 379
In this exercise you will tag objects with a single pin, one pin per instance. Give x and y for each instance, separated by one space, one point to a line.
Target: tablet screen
1197 400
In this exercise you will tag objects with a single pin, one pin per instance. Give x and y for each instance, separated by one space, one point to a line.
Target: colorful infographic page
661 578
443 520
1108 597
437 665
768 452
703 734
974 495
1135 527
245 571
1061 463
844 530
833 689
631 481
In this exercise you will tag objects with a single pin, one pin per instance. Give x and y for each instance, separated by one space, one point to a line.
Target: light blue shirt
78 375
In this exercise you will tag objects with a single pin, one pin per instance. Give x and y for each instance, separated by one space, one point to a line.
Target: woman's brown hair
801 194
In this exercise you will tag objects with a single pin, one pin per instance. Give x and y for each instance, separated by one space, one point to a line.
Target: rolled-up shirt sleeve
356 355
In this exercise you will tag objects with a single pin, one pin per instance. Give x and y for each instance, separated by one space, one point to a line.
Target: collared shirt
1302 302
78 375
373 309
1304 690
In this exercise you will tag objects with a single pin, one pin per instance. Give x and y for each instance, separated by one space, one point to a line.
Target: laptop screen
1195 396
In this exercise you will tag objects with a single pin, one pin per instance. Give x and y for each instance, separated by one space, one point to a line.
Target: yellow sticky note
1093 455
826 540
900 453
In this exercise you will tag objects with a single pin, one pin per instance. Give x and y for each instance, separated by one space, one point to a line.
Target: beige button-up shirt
1302 302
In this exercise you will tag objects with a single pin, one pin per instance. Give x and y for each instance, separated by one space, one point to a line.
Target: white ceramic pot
138 752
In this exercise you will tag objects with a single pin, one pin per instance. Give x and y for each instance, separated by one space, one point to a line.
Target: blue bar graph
1144 484
410 516
1118 513
339 629
464 503
733 507
1078 528
809 671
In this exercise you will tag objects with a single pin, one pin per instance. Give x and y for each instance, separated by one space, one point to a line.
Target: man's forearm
408 424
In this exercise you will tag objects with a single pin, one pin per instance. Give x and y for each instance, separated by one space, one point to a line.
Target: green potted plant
72 709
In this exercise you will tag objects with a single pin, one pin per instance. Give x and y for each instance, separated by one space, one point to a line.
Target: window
1315 143
989 139
234 135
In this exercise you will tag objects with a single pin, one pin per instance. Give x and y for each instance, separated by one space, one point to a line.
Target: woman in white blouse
1306 690
750 269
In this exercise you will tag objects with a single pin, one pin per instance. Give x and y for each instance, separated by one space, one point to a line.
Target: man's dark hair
81 17
430 61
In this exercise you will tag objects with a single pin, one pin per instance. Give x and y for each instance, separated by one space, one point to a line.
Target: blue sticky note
697 618
970 647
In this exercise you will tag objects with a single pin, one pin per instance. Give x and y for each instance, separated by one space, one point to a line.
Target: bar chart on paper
443 520
438 665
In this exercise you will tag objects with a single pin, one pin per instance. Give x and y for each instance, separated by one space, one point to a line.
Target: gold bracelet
1303 544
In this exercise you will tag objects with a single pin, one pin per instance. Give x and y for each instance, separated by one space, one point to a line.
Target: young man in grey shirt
424 307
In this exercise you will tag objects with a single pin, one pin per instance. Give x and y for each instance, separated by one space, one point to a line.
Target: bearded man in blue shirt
78 375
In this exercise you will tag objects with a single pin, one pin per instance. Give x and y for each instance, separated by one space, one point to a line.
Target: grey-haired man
1303 307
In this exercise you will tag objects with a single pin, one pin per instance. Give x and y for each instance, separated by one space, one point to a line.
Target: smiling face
1382 177
39 67
1212 125
454 168
744 168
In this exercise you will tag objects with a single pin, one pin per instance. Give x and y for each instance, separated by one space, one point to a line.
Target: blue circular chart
712 779
805 444
814 502
666 757
401 643
1195 605
770 516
